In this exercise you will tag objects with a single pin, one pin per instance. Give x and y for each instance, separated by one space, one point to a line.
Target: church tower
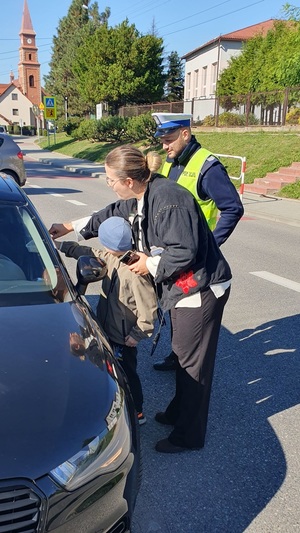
29 67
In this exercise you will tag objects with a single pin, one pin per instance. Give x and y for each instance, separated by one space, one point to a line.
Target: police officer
199 171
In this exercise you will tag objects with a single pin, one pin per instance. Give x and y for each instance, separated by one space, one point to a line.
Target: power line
215 18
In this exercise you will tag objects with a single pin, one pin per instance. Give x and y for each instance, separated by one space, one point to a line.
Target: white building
204 65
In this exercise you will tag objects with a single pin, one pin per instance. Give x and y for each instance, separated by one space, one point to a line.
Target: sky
183 24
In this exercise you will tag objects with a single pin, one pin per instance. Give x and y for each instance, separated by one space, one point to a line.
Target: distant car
11 159
3 129
69 453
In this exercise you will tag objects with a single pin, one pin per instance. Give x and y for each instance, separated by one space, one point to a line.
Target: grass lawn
264 151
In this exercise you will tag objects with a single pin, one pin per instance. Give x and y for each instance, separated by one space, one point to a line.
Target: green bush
209 120
293 116
70 125
112 129
230 119
141 127
16 129
87 130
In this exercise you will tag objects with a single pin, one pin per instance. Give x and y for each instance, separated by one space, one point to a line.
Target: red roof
239 35
3 87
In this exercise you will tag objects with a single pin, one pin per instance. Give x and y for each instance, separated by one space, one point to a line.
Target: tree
266 64
119 66
174 86
71 32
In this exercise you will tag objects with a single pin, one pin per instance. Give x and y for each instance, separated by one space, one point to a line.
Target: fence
242 169
265 108
160 107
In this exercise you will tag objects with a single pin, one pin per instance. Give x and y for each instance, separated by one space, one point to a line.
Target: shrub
141 127
293 116
87 130
209 120
70 125
111 129
16 129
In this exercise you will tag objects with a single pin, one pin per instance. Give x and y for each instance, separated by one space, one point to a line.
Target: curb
76 170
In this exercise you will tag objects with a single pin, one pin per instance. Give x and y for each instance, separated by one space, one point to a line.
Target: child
127 306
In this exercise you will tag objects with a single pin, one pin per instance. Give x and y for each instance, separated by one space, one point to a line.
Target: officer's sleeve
215 184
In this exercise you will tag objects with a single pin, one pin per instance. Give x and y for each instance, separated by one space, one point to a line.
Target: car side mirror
89 269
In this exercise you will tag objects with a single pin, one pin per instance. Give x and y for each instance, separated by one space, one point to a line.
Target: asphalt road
246 479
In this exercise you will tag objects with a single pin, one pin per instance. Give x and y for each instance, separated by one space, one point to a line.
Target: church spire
26 26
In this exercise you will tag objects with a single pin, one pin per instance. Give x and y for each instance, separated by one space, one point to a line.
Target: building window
188 86
203 81
29 57
31 81
14 96
214 71
196 82
15 112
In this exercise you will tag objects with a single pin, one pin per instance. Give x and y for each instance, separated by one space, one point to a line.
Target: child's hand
130 341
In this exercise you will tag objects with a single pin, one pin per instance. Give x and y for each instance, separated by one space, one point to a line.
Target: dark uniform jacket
191 260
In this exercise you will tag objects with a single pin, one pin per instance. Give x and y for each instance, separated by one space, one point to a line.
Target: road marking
56 194
284 282
75 202
33 186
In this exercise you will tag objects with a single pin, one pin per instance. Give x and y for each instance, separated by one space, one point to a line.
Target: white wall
21 105
201 72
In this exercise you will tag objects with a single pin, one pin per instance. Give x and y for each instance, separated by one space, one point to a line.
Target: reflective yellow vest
189 179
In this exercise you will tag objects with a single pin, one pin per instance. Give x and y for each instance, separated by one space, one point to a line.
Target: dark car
11 159
69 437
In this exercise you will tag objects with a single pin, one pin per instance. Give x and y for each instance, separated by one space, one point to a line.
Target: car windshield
28 273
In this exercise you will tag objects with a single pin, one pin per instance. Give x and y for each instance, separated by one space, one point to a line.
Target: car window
28 274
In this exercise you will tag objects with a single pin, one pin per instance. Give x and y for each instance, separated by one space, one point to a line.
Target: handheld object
129 258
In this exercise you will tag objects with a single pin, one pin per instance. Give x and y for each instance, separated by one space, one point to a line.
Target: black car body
69 438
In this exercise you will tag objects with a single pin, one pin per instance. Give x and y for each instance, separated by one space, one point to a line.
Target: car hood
52 402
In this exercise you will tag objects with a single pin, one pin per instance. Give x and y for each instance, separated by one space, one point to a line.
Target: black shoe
165 446
163 419
169 363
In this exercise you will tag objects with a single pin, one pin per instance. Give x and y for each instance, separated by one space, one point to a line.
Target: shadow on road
222 488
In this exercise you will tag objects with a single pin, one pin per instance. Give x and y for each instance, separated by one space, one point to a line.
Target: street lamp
66 108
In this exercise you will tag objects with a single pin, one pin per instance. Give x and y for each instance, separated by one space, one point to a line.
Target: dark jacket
191 260
213 183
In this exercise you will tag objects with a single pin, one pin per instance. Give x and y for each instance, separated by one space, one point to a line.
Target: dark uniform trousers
195 344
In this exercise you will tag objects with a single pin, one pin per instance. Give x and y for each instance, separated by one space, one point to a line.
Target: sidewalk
282 210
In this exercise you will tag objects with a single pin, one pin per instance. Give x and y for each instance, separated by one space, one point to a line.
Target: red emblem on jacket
186 281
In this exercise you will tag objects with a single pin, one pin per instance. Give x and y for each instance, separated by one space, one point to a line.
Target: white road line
33 186
75 202
284 282
57 194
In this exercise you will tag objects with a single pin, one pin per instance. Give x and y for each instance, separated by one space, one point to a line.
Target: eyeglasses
111 182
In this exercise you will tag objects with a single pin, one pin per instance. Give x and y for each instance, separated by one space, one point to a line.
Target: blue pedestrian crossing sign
50 101
50 107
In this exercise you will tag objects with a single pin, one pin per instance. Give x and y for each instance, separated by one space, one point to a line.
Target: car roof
10 192
6 137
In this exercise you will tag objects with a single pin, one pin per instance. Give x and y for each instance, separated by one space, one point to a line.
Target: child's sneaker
141 418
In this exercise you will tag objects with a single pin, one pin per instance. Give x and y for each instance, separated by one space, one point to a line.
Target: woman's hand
130 341
140 266
58 230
